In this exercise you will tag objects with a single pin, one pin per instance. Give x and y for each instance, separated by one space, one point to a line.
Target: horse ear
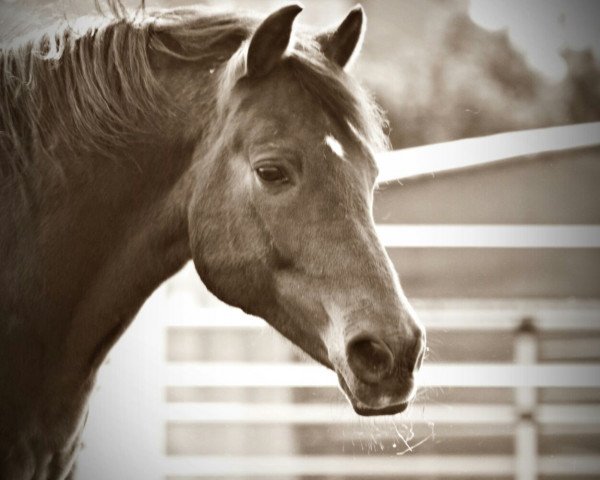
270 41
340 44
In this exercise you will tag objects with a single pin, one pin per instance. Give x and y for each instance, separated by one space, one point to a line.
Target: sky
543 28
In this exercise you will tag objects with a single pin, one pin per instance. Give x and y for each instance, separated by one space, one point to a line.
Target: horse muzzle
377 376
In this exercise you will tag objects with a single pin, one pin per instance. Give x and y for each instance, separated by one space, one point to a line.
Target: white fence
127 434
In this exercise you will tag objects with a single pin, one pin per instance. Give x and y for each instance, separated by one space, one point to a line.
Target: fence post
526 442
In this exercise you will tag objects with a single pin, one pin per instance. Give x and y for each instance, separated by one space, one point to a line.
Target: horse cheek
230 251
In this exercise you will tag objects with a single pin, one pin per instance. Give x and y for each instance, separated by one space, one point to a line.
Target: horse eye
271 174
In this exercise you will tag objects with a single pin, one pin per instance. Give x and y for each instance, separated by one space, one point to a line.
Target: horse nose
369 358
372 360
414 356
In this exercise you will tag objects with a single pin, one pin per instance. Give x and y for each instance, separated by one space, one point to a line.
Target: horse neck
89 252
83 257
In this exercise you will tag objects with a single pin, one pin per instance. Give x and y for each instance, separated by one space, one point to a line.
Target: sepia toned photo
260 239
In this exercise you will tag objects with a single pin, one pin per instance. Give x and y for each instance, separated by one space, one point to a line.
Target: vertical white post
526 444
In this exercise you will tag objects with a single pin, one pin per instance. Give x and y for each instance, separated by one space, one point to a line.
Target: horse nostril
369 358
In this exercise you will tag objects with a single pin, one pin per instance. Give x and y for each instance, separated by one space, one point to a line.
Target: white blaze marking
335 146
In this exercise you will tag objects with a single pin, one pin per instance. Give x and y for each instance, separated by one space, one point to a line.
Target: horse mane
90 84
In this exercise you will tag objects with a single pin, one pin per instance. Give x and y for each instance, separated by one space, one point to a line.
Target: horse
134 141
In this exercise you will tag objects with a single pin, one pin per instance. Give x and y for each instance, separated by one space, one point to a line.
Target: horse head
280 219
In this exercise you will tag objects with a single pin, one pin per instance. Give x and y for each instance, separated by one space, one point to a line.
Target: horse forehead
281 94
320 140
333 144
349 156
261 121
282 110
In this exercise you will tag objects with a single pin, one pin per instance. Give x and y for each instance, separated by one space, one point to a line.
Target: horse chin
371 412
382 405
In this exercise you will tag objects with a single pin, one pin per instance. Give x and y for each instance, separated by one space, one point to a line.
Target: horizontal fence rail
490 236
490 375
460 466
473 152
335 414
490 315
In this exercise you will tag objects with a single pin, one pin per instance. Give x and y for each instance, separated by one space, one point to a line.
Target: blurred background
500 258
